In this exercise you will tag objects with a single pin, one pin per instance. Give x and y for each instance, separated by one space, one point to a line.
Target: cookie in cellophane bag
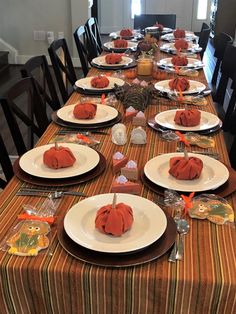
27 238
212 207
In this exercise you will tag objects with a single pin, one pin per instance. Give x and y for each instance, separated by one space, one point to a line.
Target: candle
145 66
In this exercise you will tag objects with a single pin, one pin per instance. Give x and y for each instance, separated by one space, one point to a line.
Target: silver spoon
182 228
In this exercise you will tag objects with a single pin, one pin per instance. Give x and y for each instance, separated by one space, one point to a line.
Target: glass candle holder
145 66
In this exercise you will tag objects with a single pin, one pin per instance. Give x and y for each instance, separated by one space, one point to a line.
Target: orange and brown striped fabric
56 282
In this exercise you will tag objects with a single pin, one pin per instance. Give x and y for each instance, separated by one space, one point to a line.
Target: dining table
64 279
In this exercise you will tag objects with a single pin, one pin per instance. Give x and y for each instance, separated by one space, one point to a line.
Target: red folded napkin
120 43
187 117
100 81
114 221
179 33
113 58
61 157
126 32
179 60
185 169
85 111
181 44
179 83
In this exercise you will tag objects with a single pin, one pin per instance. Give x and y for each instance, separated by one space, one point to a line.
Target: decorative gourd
179 33
114 221
100 81
58 157
179 60
179 83
113 58
187 117
85 111
183 168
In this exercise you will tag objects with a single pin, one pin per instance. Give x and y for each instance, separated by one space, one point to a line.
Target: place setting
120 45
179 34
172 48
140 237
113 61
188 63
97 85
59 164
86 116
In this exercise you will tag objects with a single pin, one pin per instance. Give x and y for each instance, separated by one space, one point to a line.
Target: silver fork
47 193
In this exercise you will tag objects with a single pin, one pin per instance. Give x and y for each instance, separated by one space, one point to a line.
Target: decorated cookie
29 239
211 207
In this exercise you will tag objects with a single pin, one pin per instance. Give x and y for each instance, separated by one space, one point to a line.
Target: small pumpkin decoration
100 81
114 219
58 157
85 111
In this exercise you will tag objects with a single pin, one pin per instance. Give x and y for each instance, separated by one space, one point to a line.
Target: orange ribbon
25 216
103 97
83 138
188 202
182 138
181 97
176 69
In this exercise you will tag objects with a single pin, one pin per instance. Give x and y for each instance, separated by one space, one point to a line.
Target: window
202 9
135 8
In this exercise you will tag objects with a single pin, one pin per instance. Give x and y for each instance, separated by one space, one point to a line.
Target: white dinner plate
110 46
149 224
85 83
192 63
195 87
86 159
191 47
166 119
104 113
213 175
189 36
101 61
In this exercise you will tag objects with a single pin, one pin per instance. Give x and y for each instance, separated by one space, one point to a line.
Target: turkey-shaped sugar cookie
29 239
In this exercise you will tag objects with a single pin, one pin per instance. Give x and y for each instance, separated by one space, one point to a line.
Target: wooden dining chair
229 123
94 36
6 165
81 41
25 103
203 38
228 74
220 42
38 68
63 67
145 20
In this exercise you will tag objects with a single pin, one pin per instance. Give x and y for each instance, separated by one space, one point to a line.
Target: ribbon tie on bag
182 138
187 202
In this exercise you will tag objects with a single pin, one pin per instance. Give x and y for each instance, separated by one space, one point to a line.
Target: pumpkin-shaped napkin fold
179 83
58 157
187 117
185 168
85 111
114 221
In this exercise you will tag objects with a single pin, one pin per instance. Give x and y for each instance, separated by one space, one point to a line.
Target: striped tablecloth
55 282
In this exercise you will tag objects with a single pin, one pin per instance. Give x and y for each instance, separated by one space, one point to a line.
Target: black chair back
94 36
63 67
6 164
25 103
81 41
203 38
145 20
220 42
37 67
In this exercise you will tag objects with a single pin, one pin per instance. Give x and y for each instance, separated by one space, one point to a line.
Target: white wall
19 18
